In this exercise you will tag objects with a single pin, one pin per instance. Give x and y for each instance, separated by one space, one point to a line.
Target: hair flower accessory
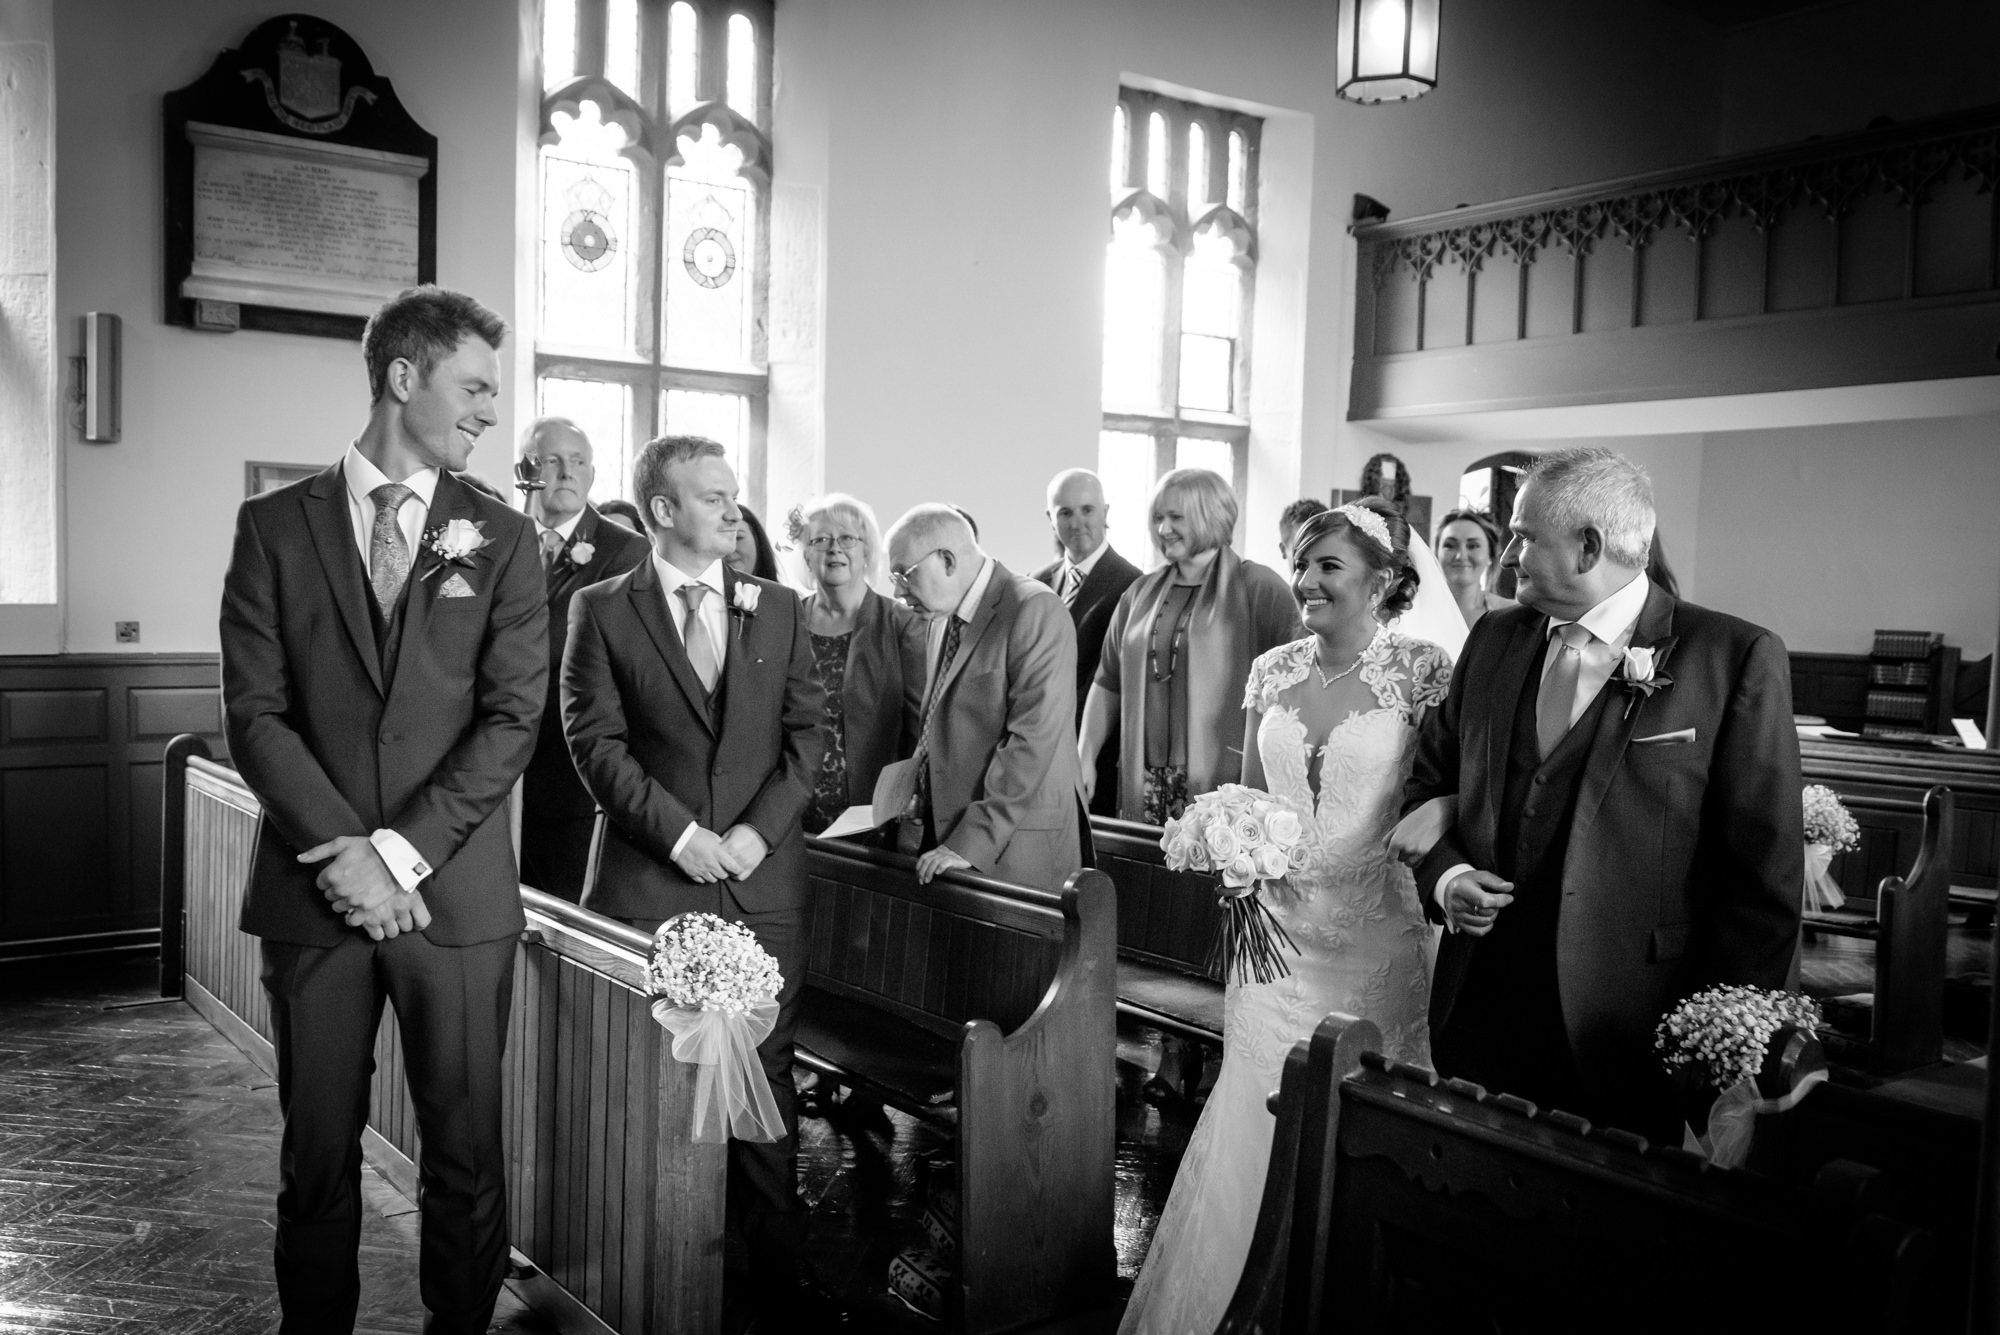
1368 522
457 542
1640 675
580 553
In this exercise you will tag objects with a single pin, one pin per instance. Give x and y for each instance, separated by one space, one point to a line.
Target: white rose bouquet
715 989
1719 1037
1830 829
1245 837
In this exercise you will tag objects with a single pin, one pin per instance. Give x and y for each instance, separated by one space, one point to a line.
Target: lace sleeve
1430 675
1274 672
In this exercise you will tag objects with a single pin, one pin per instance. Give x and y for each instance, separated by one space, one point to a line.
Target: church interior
943 251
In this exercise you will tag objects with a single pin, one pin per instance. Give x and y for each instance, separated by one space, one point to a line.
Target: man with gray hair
1628 831
996 787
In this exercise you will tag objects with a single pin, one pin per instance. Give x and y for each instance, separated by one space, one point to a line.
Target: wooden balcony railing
1869 258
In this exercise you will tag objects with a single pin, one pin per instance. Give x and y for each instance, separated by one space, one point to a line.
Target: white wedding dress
1363 948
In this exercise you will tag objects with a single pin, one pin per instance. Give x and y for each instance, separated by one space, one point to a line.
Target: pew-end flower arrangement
1718 1039
1246 838
715 989
1830 829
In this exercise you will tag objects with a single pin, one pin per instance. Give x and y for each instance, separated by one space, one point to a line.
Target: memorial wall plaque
300 195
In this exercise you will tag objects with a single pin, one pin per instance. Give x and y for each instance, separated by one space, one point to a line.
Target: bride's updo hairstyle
1394 558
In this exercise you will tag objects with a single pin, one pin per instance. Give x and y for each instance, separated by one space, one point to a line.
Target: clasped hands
708 857
361 889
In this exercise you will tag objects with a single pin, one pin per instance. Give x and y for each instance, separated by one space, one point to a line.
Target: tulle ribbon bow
732 1095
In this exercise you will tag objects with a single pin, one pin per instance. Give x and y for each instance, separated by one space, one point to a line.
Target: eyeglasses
845 542
901 578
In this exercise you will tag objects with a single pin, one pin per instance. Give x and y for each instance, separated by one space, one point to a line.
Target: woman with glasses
1178 651
870 652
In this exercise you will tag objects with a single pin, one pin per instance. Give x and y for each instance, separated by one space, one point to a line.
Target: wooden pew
1165 921
986 1008
1907 920
1859 770
1396 1202
615 1215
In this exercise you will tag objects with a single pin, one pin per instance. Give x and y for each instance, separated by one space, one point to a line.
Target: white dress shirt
1610 624
1083 567
398 854
562 530
714 616
966 607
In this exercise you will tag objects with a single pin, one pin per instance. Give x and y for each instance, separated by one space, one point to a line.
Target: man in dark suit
1089 577
384 660
692 708
1628 827
578 548
997 769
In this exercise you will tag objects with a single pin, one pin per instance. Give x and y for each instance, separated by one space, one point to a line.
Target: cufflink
421 869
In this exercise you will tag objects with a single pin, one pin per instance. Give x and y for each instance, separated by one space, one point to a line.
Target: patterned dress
830 784
1363 948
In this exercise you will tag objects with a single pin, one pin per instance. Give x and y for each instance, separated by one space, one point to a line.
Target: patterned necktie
388 553
552 545
1558 697
1072 584
707 664
920 796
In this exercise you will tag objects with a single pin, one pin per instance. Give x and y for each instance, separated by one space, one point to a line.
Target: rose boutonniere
743 603
457 542
580 553
1640 676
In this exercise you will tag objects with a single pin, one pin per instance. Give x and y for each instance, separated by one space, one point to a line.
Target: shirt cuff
405 863
682 842
1444 881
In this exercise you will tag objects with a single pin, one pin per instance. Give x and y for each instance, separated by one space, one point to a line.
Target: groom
692 706
1629 825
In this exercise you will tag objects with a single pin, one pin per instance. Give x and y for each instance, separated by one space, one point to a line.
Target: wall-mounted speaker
100 377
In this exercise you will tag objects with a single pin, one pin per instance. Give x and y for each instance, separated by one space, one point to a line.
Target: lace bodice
1406 675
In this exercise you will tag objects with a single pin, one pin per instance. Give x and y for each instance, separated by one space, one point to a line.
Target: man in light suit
692 707
384 660
997 773
1089 577
1629 828
578 548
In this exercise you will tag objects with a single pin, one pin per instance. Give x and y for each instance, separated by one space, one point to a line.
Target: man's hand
403 913
743 850
356 877
938 859
704 858
1473 899
1417 833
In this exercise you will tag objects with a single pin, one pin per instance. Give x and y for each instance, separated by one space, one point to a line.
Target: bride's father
1629 827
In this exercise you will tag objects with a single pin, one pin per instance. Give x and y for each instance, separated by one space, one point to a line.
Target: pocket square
1665 738
456 587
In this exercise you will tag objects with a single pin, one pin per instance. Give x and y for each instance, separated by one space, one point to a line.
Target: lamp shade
1387 49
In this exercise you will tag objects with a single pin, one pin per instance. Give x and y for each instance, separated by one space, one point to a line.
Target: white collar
1614 618
564 529
973 596
672 576
363 477
1088 563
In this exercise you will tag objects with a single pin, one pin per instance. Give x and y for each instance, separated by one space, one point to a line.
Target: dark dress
830 784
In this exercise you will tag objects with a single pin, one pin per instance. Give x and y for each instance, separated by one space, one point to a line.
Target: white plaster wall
147 521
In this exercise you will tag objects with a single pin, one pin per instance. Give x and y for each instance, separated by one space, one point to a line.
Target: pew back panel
1165 922
1858 771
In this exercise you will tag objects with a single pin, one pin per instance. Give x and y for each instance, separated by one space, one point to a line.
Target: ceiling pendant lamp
1388 49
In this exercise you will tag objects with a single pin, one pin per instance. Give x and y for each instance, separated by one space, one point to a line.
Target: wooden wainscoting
81 778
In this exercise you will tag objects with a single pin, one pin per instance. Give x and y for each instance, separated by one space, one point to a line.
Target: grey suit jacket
1002 760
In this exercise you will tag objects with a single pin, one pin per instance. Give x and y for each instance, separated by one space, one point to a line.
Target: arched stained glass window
1179 278
654 217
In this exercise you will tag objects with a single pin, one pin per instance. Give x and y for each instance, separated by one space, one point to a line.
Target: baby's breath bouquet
1720 1037
1830 829
715 989
1246 838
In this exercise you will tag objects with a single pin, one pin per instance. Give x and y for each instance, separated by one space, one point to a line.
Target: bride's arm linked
1453 891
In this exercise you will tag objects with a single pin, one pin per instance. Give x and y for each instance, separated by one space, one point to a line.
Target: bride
1331 729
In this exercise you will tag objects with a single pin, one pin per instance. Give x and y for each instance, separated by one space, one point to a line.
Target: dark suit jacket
881 691
1091 615
1002 759
552 788
655 759
331 747
1685 857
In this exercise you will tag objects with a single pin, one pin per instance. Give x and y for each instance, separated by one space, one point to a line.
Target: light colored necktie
1072 584
1558 697
552 545
707 664
388 554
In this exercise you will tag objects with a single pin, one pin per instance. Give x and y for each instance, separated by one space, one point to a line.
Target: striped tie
1072 584
388 553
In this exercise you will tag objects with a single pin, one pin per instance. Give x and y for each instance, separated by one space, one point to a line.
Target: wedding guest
1178 651
1089 578
754 554
1467 547
1293 515
577 548
624 512
870 654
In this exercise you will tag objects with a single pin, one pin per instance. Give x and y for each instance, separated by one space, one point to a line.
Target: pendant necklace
1326 682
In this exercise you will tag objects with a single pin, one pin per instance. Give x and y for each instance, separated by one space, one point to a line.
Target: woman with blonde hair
869 651
1177 652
